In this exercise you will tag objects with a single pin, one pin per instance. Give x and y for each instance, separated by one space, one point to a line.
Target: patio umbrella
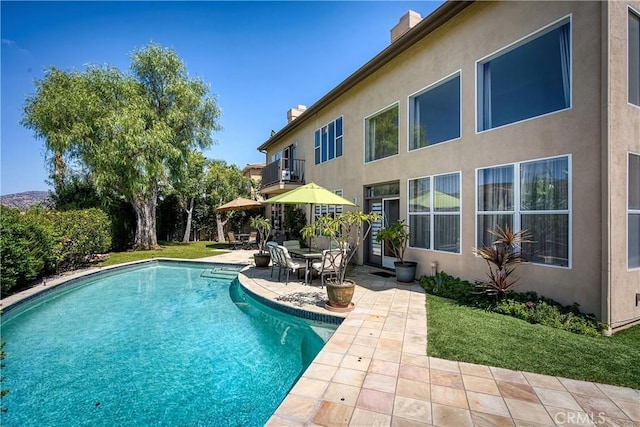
238 204
309 194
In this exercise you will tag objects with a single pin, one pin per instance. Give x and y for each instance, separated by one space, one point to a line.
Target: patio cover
238 204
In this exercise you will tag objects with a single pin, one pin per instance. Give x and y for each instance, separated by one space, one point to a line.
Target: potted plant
348 231
396 235
263 226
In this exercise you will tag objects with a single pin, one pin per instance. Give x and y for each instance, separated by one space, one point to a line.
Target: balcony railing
283 171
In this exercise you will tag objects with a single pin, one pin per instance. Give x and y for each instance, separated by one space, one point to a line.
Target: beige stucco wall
623 136
477 32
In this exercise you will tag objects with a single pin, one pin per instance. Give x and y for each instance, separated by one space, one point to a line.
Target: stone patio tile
447 379
617 393
413 348
355 362
501 374
447 416
377 401
296 407
528 412
443 365
416 373
403 422
475 370
276 421
350 321
545 381
329 358
557 398
342 393
415 359
320 371
449 396
616 422
517 391
370 324
631 409
414 389
599 405
350 330
309 387
372 333
337 346
361 350
581 387
563 416
387 354
387 344
480 385
380 382
412 409
333 414
365 341
487 403
363 417
383 367
391 335
481 419
348 376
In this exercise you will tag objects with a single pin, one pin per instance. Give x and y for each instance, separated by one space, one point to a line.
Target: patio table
308 257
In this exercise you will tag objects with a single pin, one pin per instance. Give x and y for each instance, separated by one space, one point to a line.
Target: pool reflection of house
524 114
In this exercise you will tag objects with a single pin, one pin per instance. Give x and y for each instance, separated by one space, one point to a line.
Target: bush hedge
528 306
41 242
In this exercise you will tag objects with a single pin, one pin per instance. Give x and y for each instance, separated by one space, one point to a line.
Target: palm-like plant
263 226
502 258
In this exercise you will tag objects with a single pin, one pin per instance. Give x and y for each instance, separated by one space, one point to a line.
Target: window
381 134
434 204
527 80
633 226
634 58
328 141
434 114
332 210
532 196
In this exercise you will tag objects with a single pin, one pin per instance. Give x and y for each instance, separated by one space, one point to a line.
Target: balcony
282 175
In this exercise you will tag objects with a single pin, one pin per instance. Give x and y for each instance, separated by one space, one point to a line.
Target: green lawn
190 250
466 334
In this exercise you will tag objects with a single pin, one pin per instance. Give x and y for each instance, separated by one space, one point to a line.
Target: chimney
407 22
293 113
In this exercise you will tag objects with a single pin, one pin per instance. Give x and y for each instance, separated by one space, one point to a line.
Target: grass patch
191 250
474 335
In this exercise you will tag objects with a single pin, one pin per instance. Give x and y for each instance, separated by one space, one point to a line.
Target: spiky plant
502 257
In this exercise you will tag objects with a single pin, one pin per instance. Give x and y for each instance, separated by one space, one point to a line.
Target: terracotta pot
262 260
340 294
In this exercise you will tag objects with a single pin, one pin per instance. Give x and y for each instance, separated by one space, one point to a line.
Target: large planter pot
262 260
340 295
405 271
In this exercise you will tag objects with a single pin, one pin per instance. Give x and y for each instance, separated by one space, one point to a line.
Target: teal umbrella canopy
310 194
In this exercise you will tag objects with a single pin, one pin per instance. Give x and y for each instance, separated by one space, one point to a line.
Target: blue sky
260 58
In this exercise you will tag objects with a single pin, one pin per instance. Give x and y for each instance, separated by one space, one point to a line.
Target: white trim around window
411 111
395 104
636 13
567 74
633 211
504 198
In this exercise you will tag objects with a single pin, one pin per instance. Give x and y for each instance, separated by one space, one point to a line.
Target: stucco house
524 114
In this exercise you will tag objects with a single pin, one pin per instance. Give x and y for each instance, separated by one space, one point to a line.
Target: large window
531 196
526 80
331 210
434 114
381 134
634 58
434 212
328 141
633 240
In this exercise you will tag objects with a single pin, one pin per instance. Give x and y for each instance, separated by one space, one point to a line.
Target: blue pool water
162 344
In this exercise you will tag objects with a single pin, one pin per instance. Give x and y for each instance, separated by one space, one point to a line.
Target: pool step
219 273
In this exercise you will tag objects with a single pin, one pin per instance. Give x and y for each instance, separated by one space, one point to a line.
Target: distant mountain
24 201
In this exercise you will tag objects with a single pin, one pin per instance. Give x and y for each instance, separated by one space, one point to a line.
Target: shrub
447 286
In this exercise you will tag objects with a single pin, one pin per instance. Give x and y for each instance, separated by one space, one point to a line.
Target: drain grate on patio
383 274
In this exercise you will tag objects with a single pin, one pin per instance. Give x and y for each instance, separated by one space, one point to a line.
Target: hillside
25 200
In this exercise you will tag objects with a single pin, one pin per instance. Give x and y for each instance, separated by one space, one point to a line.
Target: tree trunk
145 209
187 230
220 224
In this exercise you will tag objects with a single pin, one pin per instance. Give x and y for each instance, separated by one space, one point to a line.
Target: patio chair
275 257
330 264
288 263
252 241
233 240
291 244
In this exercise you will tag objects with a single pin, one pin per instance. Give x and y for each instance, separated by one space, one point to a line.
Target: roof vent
407 22
293 113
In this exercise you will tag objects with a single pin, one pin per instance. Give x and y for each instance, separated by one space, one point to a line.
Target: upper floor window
381 134
434 114
328 141
532 196
634 58
434 213
331 210
526 80
633 226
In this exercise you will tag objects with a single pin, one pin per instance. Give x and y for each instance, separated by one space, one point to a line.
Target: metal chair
288 263
233 240
330 264
252 241
275 257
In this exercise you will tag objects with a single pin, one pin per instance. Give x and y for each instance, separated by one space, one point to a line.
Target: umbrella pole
310 222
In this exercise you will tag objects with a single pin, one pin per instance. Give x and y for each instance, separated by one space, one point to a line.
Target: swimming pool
162 343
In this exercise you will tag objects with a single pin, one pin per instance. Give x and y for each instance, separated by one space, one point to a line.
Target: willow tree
131 132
